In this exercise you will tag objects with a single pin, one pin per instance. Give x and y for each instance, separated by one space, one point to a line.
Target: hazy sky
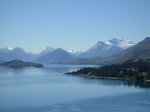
71 24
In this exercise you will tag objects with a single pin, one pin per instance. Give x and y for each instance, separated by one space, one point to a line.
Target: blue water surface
48 89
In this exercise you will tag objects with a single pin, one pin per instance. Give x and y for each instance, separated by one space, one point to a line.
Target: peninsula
136 69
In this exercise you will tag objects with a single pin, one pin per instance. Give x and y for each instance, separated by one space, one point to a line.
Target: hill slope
138 69
138 51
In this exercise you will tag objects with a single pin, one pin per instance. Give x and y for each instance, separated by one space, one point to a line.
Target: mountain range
140 50
107 48
100 53
103 49
77 52
7 54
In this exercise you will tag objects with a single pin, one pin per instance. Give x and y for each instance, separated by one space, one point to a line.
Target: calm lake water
50 90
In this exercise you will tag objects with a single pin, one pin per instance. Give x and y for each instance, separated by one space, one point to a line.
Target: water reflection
133 102
49 89
112 82
50 74
61 69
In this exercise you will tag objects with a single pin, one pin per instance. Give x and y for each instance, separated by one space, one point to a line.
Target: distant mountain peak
58 55
18 48
114 41
76 52
122 43
100 43
139 51
107 48
59 49
7 48
49 48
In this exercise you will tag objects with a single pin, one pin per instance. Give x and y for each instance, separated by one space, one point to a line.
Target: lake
48 89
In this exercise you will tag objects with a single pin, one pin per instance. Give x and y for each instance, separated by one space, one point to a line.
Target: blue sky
71 24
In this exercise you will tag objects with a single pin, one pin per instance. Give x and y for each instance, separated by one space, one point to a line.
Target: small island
21 64
136 69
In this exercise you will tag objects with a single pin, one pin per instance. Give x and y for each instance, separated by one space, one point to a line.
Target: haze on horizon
71 24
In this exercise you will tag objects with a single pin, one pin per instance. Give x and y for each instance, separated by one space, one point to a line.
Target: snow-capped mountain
101 49
47 50
77 52
5 49
8 49
139 51
8 54
124 43
107 48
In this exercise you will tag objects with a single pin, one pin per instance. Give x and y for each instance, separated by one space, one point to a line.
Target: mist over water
50 90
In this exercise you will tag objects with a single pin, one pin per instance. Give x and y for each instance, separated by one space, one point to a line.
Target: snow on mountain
108 43
5 49
8 54
101 49
77 52
139 51
10 48
99 44
123 43
107 48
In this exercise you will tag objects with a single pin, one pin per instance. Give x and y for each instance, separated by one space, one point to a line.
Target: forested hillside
138 69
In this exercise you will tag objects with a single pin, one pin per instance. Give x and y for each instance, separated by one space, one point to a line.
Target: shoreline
113 78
